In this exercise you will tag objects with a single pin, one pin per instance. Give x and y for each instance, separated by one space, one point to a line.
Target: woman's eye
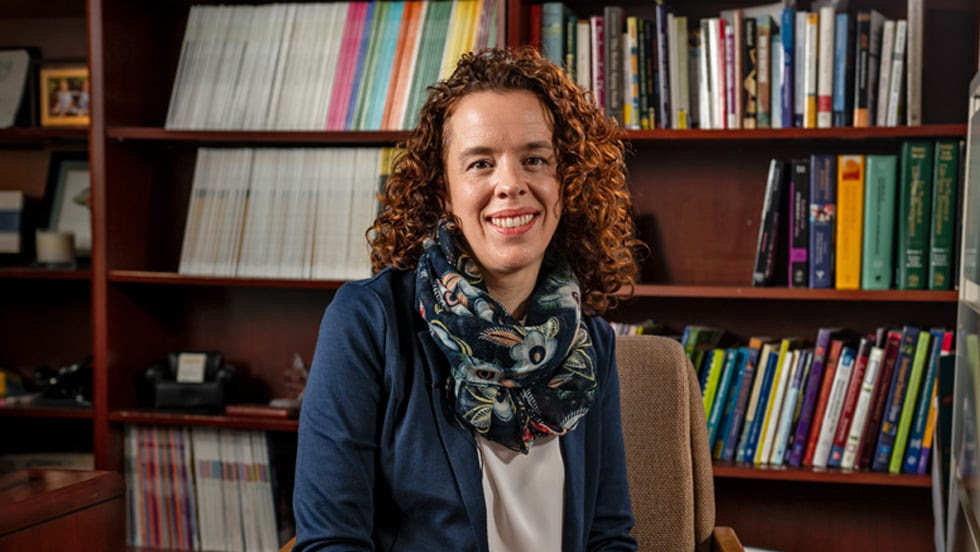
534 160
480 165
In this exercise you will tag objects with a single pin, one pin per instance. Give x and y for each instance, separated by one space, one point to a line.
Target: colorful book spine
789 407
909 402
613 29
787 80
860 420
825 66
750 97
714 362
810 74
896 396
763 71
735 402
768 362
799 221
835 404
843 110
923 404
775 401
826 385
810 393
597 27
878 237
720 400
733 438
941 239
850 404
914 209
553 32
850 212
823 207
876 411
661 35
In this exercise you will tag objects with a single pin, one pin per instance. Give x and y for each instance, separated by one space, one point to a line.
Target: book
763 74
735 439
799 222
613 26
835 403
923 403
825 66
913 56
810 73
769 222
879 222
850 212
714 364
890 343
860 419
734 408
843 100
823 207
696 340
787 78
790 408
945 185
749 436
884 71
774 402
914 208
849 405
820 410
909 402
750 99
869 24
896 95
811 390
729 360
553 31
895 399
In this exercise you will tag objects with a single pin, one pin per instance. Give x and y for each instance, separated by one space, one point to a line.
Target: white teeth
511 222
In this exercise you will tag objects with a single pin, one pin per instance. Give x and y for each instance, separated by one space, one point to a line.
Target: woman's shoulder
386 287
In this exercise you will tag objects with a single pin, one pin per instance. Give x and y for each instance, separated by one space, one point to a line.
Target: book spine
896 96
642 57
765 258
570 36
662 35
787 80
825 67
923 405
862 68
896 396
755 429
913 55
826 384
823 202
721 393
774 402
597 26
835 403
799 220
799 69
879 222
850 211
810 74
790 404
944 187
876 410
737 395
763 72
613 29
843 113
860 420
908 404
813 383
850 404
914 207
884 72
733 441
750 98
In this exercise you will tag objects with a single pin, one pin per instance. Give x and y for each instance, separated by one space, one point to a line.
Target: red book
534 24
850 402
866 447
830 368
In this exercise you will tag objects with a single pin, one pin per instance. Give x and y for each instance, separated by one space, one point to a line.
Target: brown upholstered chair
667 455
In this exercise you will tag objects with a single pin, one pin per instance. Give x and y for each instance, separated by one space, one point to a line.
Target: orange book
830 369
850 220
404 66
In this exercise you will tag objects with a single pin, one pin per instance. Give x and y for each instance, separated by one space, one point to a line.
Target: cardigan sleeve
613 517
333 499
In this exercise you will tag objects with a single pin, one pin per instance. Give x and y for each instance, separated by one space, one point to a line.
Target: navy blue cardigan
383 463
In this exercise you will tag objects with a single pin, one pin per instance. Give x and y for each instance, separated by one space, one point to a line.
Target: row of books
283 212
199 489
759 67
849 402
860 221
323 66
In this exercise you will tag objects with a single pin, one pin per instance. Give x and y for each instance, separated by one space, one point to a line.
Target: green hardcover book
944 185
714 366
908 405
880 182
915 197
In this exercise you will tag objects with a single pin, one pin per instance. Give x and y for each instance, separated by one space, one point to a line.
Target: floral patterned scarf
510 381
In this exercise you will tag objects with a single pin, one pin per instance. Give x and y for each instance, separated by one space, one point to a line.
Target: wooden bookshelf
697 193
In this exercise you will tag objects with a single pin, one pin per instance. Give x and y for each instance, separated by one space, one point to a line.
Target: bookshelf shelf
155 417
173 278
255 137
807 134
42 135
782 473
792 294
29 411
36 273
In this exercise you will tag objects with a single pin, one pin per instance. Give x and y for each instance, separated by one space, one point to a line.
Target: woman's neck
513 291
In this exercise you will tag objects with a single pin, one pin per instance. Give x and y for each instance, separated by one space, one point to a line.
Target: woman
466 397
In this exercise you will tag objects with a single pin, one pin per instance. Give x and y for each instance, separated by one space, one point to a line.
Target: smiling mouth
512 222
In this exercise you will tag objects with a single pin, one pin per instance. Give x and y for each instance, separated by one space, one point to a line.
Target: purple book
799 223
824 335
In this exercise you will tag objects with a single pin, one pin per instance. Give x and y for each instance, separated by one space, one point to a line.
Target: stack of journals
199 489
849 402
860 221
324 66
283 213
760 67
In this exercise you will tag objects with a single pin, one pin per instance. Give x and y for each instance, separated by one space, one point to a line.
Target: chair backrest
667 455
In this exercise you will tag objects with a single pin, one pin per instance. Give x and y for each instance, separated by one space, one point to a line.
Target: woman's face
501 174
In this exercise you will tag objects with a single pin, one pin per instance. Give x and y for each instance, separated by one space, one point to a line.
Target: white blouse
524 495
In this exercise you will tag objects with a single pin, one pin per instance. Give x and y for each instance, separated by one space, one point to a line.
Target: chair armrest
723 539
289 545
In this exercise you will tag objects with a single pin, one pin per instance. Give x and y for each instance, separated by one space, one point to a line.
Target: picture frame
68 198
65 97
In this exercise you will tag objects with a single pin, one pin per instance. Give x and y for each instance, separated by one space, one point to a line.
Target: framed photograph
68 192
65 99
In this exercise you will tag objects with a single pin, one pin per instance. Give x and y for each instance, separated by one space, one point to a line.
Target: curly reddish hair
595 231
